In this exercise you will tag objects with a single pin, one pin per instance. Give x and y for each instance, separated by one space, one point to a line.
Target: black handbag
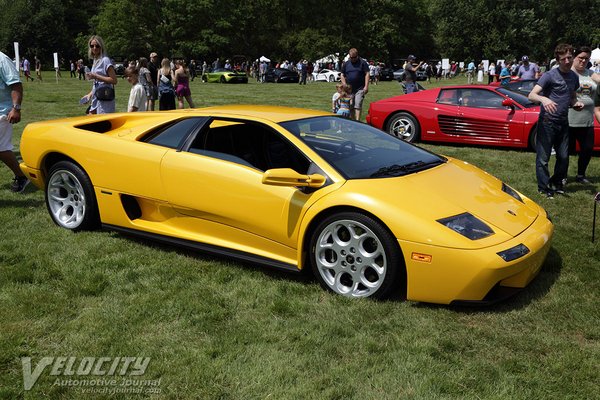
105 93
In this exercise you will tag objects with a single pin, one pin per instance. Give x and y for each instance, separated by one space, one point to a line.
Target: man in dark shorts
355 72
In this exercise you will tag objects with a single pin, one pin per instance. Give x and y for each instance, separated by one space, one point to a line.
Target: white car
326 75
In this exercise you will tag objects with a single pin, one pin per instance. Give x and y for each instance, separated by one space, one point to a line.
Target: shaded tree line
385 30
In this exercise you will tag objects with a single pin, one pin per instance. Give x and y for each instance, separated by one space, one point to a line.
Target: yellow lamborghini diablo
368 213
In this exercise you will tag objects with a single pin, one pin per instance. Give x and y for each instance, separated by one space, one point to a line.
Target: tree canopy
384 30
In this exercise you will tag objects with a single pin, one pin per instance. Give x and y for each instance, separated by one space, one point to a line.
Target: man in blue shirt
355 72
555 90
528 70
11 95
470 72
505 74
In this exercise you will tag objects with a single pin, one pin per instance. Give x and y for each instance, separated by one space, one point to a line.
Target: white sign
17 61
446 63
55 60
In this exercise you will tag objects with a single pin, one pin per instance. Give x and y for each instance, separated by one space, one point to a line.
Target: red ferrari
472 114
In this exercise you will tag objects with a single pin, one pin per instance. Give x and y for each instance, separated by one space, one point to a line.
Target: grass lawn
217 329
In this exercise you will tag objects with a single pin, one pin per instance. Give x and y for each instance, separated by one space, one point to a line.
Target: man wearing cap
153 68
410 74
528 70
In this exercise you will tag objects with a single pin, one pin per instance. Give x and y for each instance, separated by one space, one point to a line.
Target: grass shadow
22 202
305 276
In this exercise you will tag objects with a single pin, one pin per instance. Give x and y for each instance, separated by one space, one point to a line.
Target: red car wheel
404 126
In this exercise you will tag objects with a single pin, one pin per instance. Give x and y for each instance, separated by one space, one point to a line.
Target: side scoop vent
102 126
131 207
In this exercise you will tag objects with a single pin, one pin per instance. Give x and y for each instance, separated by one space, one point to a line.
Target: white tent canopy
327 59
265 59
595 55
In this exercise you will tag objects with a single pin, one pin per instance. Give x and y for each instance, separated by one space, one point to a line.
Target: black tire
532 140
404 126
366 260
222 80
204 78
70 197
331 78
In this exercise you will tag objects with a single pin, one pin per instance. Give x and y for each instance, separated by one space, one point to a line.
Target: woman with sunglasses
581 124
103 74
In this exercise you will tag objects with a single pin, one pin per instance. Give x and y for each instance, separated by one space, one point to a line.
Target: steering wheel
348 145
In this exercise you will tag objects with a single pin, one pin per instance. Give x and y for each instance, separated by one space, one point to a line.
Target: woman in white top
581 123
491 73
103 74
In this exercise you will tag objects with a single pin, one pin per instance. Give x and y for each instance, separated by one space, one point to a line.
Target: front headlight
513 253
467 225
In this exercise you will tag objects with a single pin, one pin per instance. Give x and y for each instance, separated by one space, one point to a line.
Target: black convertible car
281 75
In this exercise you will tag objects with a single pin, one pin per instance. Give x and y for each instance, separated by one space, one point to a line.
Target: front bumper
457 275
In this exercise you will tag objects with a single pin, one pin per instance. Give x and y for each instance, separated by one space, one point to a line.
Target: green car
223 75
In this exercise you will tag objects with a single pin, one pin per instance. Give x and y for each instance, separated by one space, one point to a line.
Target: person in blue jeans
555 91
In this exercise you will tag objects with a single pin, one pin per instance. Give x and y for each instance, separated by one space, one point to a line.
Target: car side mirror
289 177
508 103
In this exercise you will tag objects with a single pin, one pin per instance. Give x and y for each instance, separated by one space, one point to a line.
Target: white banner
55 60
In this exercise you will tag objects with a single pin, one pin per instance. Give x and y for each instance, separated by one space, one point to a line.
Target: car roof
271 113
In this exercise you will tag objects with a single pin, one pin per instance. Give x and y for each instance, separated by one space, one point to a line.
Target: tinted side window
252 145
173 134
448 97
481 99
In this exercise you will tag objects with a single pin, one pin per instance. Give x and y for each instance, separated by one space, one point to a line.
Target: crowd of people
567 93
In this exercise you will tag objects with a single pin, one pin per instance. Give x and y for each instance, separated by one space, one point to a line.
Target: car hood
412 204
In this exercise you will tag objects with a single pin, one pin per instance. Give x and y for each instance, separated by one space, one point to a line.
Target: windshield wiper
397 170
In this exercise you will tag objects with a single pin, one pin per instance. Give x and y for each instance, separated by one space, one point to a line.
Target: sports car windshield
359 151
518 97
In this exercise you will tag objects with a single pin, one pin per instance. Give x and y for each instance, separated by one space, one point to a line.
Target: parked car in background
223 75
281 75
399 74
522 86
119 63
469 114
326 75
386 74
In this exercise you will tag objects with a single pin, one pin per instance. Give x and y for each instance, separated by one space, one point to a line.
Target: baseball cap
411 57
153 54
524 58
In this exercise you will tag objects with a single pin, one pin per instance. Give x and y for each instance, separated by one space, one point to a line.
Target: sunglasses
95 46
